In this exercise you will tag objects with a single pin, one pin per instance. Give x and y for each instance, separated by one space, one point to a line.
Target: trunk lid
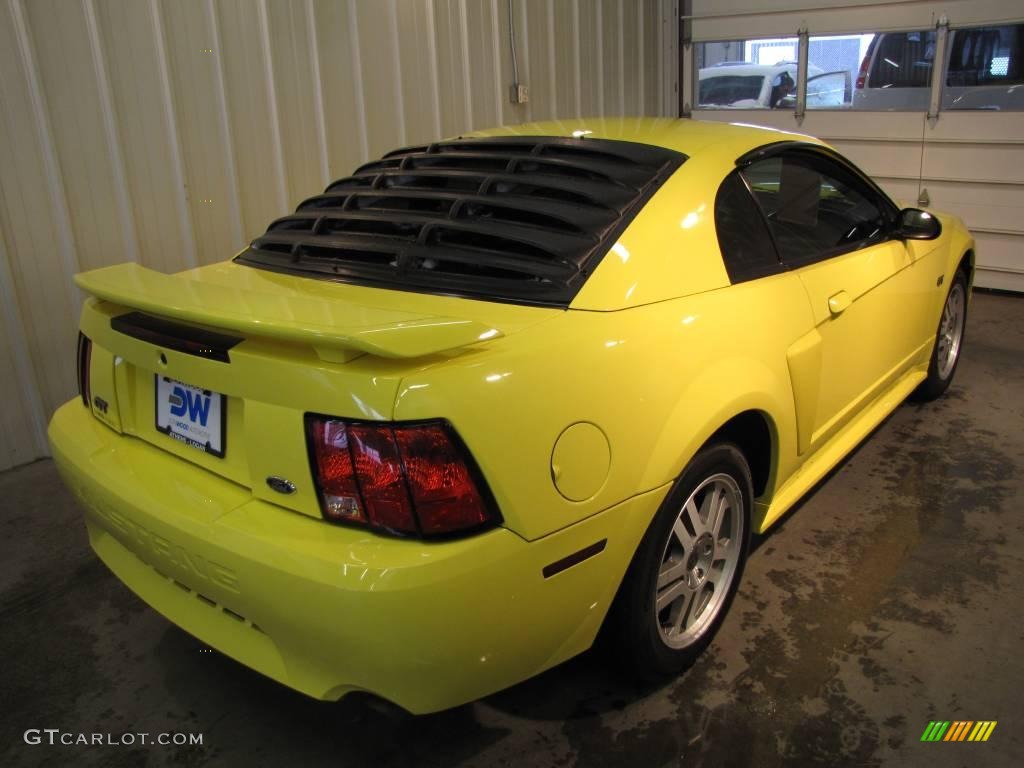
275 347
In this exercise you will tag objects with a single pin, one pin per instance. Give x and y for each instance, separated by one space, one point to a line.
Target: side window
988 56
902 60
743 237
816 207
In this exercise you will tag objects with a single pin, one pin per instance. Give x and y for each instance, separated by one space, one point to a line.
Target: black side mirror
915 224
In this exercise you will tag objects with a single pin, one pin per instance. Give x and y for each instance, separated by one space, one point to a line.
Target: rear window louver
522 219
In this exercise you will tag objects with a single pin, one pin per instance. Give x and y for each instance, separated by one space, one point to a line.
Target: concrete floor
891 597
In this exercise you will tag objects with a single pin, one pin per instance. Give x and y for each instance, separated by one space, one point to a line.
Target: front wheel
948 341
687 568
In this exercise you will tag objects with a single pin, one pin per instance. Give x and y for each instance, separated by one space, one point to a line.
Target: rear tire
948 341
687 569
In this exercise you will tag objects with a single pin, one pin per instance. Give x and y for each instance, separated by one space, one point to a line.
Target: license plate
193 415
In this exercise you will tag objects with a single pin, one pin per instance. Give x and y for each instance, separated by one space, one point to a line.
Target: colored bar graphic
953 730
935 730
958 730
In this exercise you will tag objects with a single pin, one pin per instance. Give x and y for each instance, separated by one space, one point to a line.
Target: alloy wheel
699 561
951 330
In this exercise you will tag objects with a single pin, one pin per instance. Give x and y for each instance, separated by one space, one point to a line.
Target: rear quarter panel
657 381
670 249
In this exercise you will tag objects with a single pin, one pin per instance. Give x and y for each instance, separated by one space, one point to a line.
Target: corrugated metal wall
170 132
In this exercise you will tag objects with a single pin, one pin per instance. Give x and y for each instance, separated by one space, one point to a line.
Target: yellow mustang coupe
483 398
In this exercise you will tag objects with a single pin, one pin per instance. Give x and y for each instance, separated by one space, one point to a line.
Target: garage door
927 98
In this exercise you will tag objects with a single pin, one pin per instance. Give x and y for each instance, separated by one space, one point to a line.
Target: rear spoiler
339 330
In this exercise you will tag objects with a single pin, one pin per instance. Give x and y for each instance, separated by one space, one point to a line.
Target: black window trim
768 151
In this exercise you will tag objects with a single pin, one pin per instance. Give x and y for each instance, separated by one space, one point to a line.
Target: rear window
728 89
522 219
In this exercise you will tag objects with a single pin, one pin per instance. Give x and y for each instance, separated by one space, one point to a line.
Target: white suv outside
742 85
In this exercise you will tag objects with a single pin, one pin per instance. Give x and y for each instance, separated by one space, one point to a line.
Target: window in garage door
986 69
887 71
896 71
746 74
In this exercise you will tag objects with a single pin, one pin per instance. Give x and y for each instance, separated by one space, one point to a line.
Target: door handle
839 303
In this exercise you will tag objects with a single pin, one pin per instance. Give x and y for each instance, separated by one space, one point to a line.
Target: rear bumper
329 610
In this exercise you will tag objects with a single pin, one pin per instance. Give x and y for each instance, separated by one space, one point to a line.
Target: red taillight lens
862 75
336 476
404 478
380 476
442 488
84 359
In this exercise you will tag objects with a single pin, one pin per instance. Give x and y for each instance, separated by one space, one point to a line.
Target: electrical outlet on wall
519 94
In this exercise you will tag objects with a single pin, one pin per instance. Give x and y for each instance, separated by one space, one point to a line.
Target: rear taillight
409 479
862 75
83 360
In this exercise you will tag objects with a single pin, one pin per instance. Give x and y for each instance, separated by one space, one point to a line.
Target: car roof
691 137
671 248
746 68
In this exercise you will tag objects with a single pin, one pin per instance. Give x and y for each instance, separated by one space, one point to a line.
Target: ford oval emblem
281 485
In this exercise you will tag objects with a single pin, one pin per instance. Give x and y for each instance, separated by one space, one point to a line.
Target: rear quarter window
743 237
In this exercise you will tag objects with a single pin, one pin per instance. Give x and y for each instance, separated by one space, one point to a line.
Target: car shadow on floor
361 730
